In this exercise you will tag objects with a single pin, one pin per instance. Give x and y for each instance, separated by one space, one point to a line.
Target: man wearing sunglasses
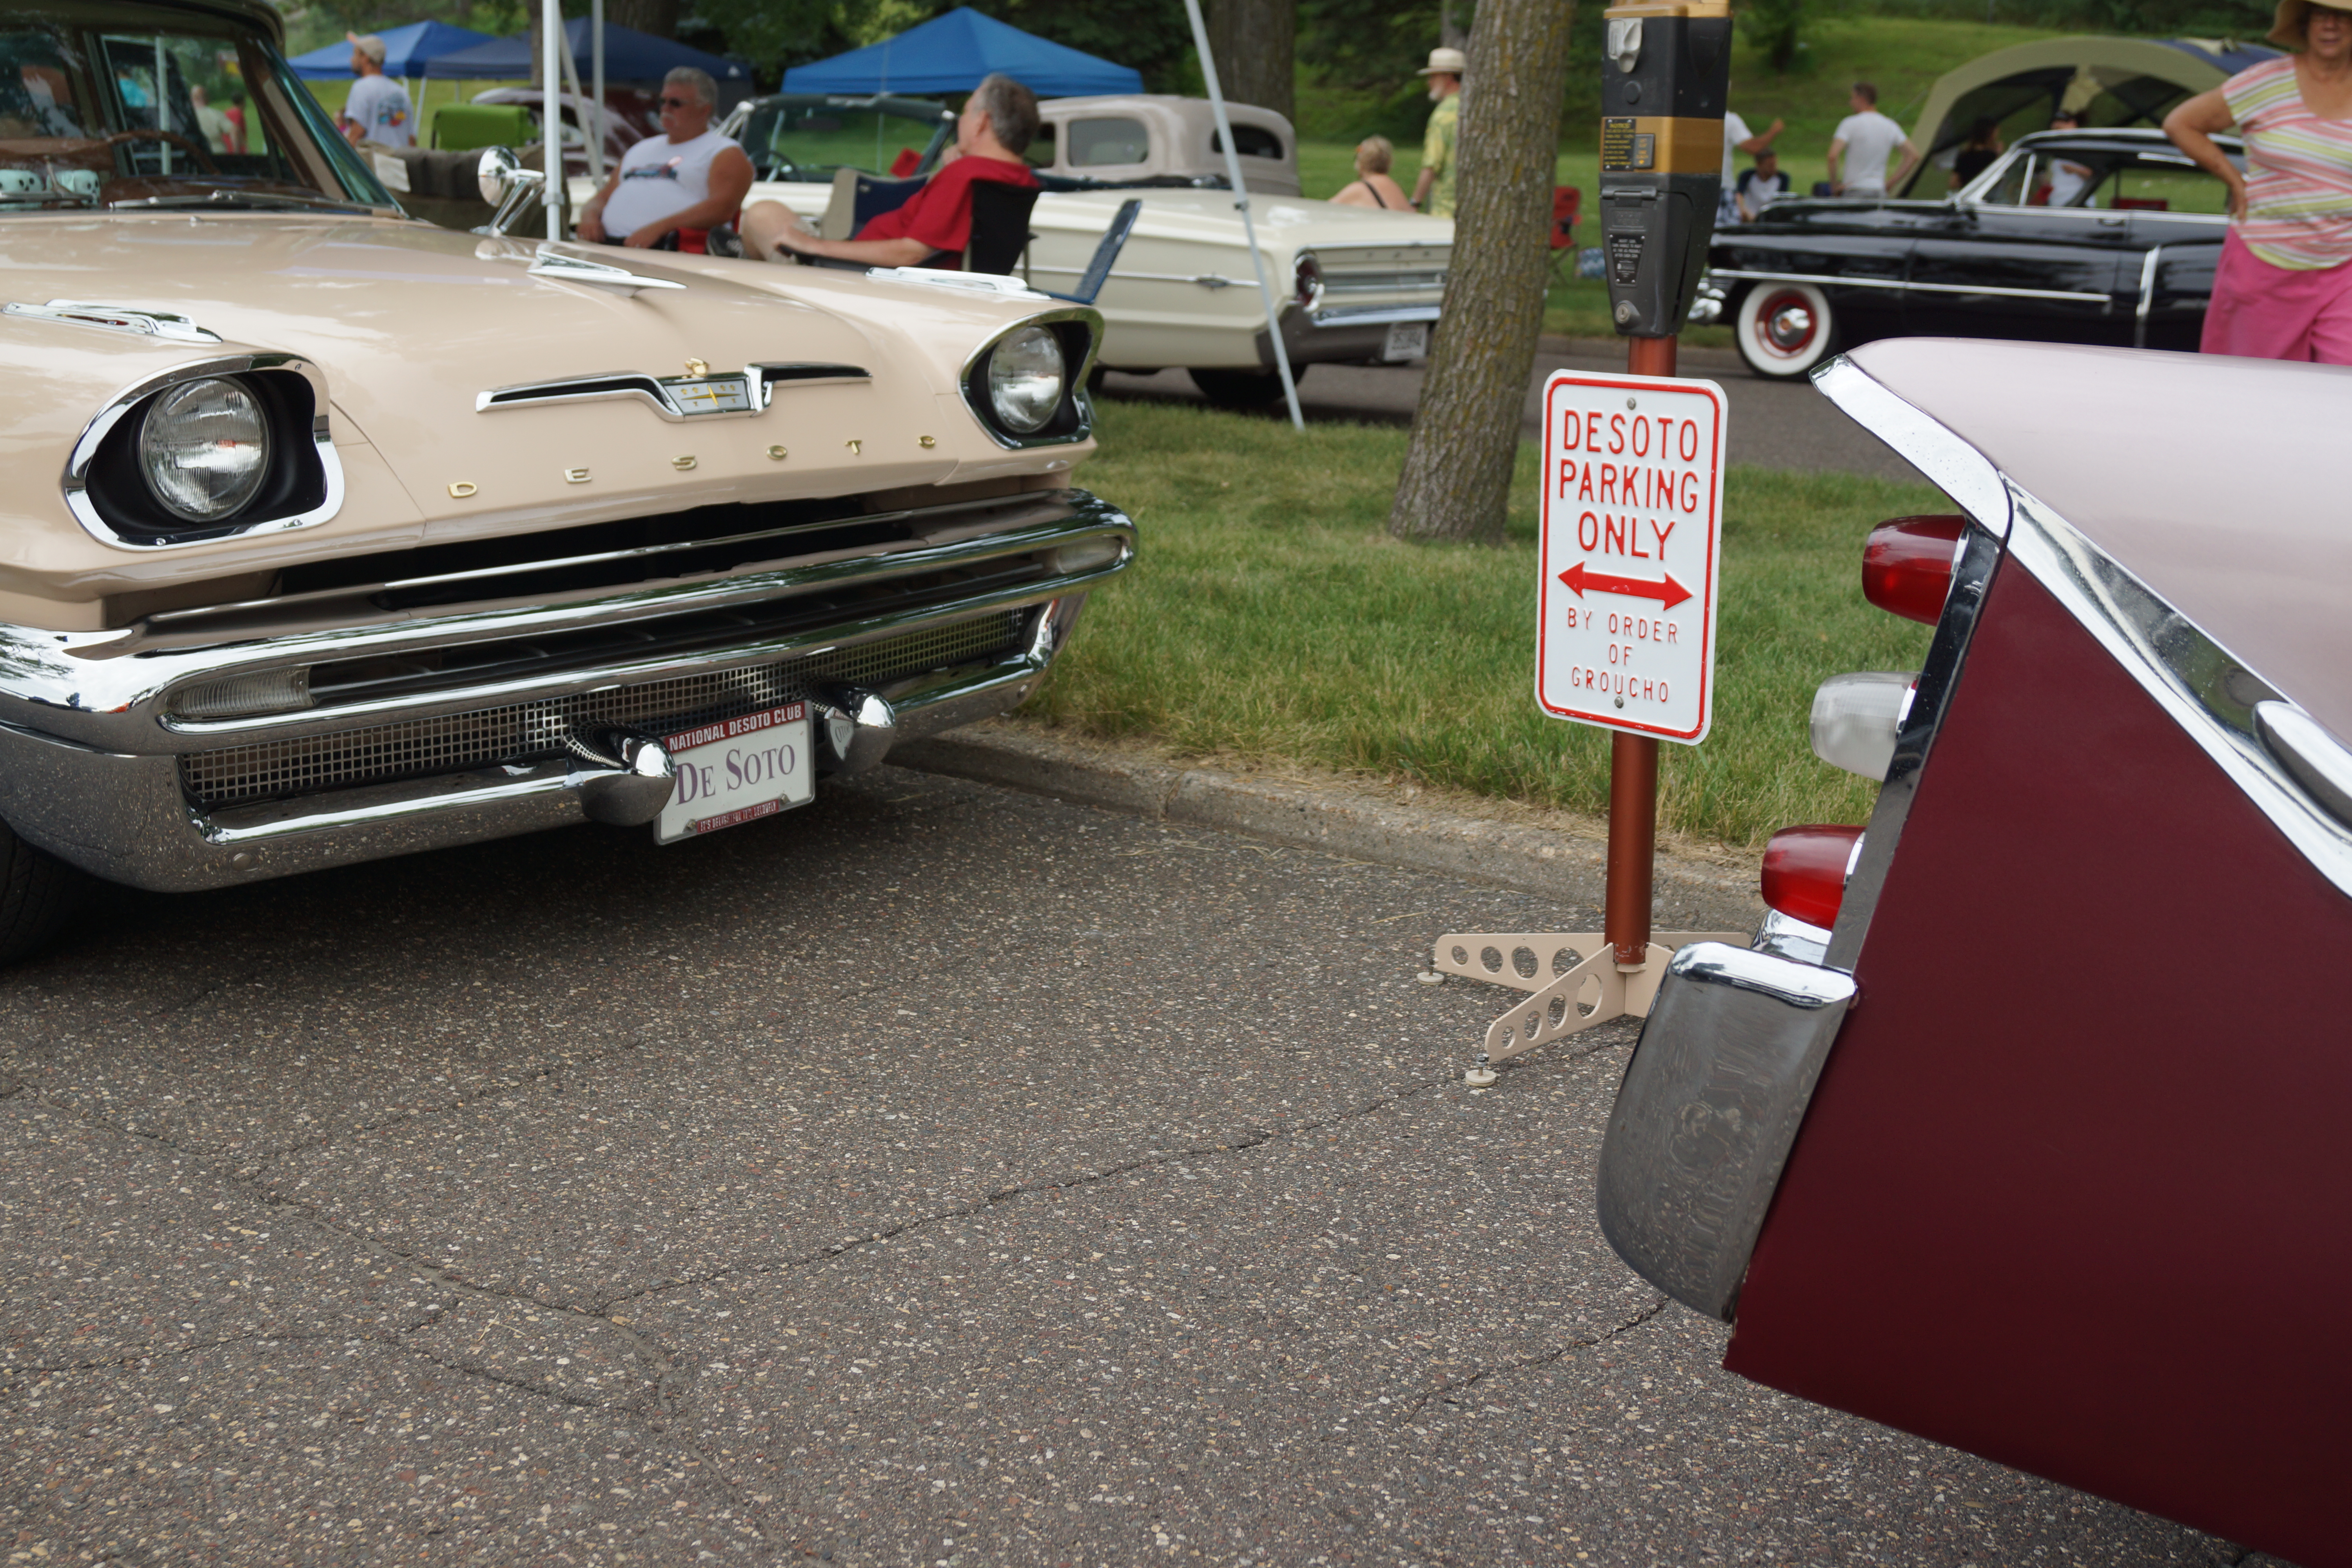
688 178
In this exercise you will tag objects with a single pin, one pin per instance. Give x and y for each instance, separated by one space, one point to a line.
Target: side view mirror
507 185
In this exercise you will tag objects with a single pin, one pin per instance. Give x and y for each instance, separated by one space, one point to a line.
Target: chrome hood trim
137 320
677 397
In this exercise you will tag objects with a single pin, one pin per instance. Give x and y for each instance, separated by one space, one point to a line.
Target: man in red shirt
996 126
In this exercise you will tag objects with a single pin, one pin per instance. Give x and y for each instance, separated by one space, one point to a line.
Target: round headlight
204 449
1025 380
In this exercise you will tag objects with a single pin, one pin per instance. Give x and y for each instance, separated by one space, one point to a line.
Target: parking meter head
1665 70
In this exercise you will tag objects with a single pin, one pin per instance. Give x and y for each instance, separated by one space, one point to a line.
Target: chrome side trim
1205 279
1836 280
2318 761
135 319
1916 735
1710 1105
1950 464
739 395
2205 688
322 442
2146 295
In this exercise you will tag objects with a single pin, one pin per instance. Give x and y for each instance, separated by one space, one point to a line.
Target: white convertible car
1355 285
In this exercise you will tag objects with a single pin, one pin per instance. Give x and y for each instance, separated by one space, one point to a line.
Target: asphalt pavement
933 1175
1775 425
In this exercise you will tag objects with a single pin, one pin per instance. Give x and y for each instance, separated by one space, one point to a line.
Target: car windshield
813 139
142 105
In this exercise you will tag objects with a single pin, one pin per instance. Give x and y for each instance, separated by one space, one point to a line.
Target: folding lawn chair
1565 202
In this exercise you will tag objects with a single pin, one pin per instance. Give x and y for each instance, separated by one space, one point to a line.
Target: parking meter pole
1633 775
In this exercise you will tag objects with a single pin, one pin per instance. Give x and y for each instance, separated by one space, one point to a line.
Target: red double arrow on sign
1668 594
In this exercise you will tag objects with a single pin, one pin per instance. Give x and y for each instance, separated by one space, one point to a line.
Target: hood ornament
555 264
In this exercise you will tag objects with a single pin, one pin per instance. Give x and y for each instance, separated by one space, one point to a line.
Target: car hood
410 323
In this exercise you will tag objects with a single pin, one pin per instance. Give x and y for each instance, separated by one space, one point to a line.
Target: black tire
37 892
1242 388
1784 329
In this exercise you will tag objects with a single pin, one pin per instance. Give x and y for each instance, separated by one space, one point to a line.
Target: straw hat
2287 28
1453 62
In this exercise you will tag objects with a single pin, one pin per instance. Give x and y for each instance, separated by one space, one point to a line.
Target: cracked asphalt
933 1175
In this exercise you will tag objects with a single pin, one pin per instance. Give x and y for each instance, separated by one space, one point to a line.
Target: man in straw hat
1442 141
2283 287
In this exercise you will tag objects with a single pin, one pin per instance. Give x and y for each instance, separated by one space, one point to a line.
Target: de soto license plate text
737 770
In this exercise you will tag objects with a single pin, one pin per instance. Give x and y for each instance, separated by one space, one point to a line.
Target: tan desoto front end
530 509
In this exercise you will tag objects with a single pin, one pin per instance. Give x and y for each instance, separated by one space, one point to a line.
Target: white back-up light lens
1857 717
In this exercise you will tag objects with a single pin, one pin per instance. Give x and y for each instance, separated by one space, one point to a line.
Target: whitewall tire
1785 329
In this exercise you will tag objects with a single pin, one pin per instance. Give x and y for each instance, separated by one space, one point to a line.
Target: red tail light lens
1310 281
1907 567
1804 872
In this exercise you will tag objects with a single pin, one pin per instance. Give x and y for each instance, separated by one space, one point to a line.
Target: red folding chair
1566 201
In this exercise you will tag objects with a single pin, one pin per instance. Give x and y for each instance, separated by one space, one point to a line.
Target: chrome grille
456 742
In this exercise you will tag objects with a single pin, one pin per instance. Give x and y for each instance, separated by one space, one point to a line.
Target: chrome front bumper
91 755
1341 333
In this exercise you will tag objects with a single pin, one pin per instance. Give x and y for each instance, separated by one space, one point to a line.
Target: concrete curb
1351 822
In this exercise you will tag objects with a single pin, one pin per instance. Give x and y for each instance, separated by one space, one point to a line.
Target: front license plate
737 770
1407 340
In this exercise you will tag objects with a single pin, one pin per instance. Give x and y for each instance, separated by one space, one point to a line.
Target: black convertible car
2081 237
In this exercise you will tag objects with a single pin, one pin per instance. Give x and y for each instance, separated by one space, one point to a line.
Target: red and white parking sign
1632 546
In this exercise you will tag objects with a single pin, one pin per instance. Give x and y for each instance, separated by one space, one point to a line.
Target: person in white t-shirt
690 176
1863 143
1761 187
378 109
1739 138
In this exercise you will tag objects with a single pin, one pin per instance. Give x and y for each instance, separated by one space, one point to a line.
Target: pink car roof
2222 484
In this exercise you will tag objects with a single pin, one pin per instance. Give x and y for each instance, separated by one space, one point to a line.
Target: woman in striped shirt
2284 289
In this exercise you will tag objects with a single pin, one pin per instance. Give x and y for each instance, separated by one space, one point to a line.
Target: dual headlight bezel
106 488
1077 331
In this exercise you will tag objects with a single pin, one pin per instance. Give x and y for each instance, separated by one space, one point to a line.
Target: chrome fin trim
2212 694
1953 466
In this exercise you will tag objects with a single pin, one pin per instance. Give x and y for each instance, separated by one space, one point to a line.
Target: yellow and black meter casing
1665 70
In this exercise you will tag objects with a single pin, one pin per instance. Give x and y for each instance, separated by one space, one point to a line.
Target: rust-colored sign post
1633 773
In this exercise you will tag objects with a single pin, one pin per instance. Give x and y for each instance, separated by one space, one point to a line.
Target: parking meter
1665 70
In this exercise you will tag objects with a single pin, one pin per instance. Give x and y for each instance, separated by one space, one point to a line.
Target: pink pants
2261 312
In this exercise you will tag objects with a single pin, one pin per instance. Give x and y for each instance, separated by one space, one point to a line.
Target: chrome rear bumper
107 788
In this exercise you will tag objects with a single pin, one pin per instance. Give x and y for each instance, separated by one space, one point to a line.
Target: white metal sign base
1573 978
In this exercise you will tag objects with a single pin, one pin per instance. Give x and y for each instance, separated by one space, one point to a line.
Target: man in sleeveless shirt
690 176
995 128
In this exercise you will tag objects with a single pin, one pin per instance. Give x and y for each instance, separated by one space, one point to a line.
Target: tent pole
587 133
550 76
596 74
1241 200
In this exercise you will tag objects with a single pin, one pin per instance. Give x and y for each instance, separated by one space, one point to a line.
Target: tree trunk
1255 43
1457 470
658 17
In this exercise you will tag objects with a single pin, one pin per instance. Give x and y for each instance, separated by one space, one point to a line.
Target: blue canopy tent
629 56
408 51
951 53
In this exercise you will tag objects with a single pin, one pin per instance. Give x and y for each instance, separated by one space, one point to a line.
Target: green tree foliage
1776 28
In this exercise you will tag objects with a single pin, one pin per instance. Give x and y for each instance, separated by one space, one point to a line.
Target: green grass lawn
1269 617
